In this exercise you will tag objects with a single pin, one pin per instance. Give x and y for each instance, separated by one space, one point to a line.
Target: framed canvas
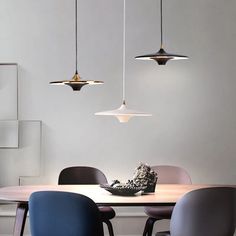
8 91
9 133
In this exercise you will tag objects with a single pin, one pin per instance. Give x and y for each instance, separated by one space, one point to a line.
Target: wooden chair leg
21 214
149 226
110 228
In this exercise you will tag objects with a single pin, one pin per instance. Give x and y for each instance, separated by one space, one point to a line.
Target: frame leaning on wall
20 140
9 133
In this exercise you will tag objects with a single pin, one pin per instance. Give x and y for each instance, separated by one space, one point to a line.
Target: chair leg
110 228
149 226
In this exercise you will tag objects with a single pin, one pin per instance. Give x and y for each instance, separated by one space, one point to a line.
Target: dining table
164 195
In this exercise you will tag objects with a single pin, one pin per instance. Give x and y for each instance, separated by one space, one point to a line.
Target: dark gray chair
204 212
88 175
166 175
54 213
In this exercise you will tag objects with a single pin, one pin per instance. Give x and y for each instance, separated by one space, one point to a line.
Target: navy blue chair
204 212
54 213
88 175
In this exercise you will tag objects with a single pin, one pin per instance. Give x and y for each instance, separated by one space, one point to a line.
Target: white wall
192 102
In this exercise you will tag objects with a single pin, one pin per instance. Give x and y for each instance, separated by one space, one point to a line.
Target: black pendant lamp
76 83
161 57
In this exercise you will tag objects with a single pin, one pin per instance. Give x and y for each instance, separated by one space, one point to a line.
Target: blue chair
54 213
204 212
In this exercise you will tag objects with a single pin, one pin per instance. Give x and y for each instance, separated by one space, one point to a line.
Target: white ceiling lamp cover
123 114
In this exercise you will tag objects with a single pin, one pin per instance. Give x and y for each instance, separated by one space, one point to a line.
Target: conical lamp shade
161 57
76 83
123 114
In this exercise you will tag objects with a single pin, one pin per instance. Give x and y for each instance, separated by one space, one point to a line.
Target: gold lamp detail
123 114
161 57
76 83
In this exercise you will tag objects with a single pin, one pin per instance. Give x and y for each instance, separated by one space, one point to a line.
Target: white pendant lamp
161 57
123 114
76 83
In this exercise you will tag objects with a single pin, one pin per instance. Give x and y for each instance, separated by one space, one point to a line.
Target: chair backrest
81 175
171 175
205 212
63 213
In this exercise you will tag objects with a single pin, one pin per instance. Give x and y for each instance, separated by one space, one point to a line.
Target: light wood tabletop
165 194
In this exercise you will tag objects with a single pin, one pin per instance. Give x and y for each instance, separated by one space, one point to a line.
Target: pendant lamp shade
76 83
161 57
123 114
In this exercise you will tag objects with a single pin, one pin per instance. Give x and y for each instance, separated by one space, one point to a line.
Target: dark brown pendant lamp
76 83
161 57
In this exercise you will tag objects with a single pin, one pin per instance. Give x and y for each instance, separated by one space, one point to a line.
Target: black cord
161 24
76 46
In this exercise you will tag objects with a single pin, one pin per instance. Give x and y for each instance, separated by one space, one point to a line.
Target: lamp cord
124 49
161 23
76 43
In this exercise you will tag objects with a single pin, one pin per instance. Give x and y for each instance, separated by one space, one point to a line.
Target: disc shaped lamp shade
161 57
76 83
123 114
